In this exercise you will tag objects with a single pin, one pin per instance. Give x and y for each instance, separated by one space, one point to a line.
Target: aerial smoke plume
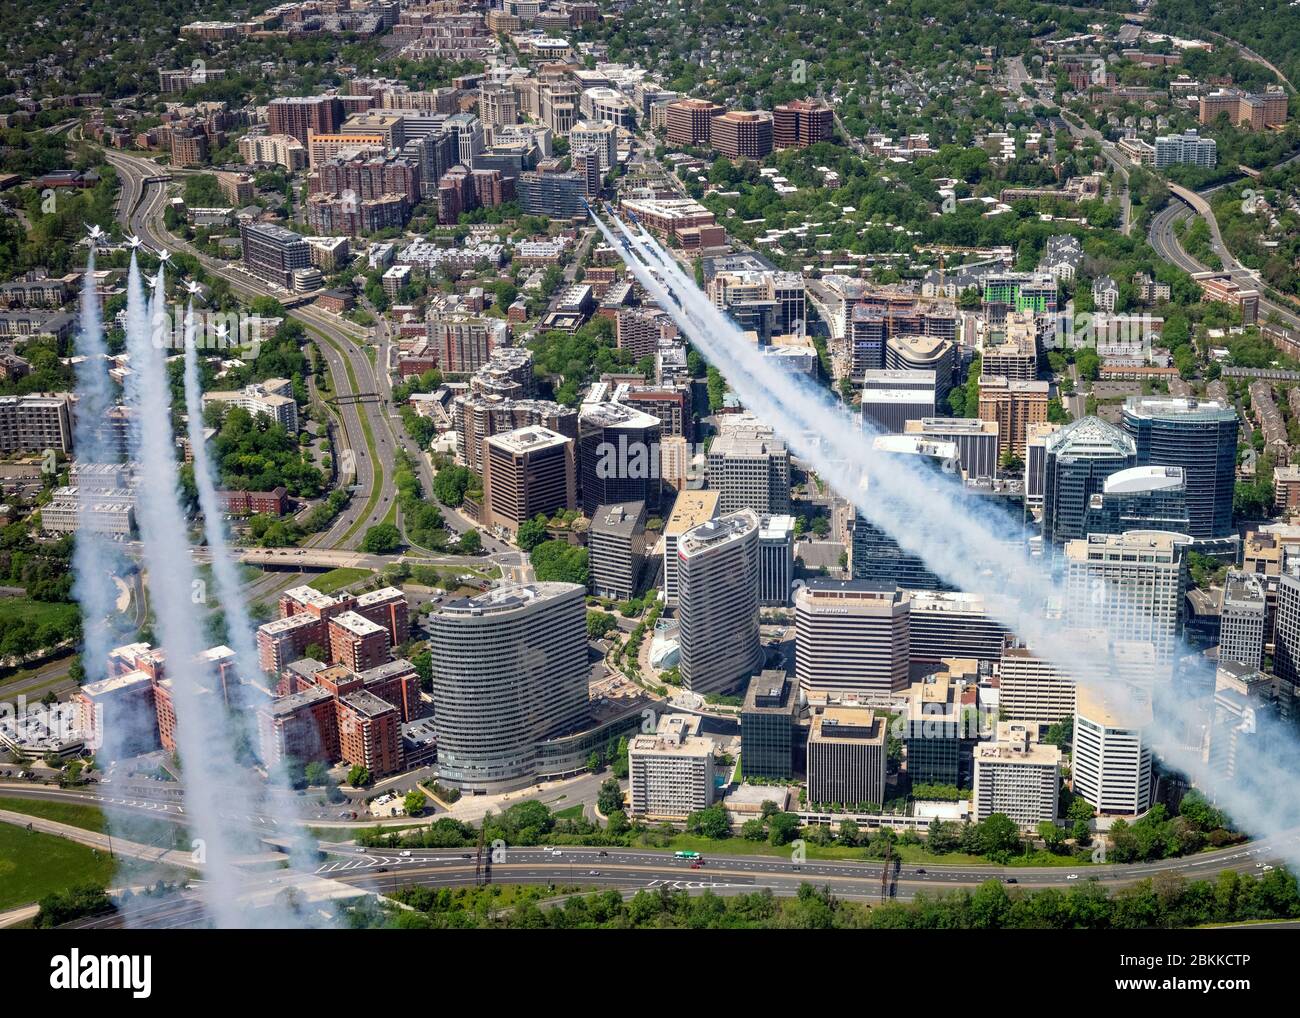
210 775
95 557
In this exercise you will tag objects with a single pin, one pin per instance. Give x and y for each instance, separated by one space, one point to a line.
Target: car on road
603 854
920 871
696 865
1073 876
593 873
405 853
361 848
1012 880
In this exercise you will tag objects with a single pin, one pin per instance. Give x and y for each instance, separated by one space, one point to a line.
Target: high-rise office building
1241 619
299 116
1139 498
1111 766
935 732
750 467
775 560
1078 460
691 507
525 472
976 441
950 624
717 577
509 669
618 456
1017 776
1286 623
1132 585
846 756
851 637
1016 406
801 123
273 253
892 397
875 554
1201 437
742 134
670 772
690 122
767 722
616 546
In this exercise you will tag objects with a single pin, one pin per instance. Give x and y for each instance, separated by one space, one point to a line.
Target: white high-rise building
1017 776
851 637
1111 767
1131 584
509 669
750 466
691 508
1241 620
670 772
717 576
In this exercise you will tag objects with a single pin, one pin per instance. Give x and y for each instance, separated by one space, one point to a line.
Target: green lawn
571 813
33 865
127 824
31 614
336 579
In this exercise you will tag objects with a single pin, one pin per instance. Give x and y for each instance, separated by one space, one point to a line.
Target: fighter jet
134 242
96 234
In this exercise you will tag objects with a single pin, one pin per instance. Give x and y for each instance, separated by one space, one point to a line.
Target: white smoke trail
279 803
95 557
205 752
956 537
239 624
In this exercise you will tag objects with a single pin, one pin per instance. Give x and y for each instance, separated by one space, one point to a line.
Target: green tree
610 796
532 532
358 776
381 539
712 822
414 803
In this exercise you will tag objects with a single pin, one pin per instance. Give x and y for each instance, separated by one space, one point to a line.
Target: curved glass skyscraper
1201 437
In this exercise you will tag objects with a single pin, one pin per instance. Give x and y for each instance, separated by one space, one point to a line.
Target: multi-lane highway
1184 203
384 871
367 441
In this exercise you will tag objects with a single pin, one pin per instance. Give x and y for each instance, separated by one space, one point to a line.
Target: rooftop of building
714 533
366 703
691 508
847 724
507 598
1113 707
1017 743
529 439
1144 478
619 520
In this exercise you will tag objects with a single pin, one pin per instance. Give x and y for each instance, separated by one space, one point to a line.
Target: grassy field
30 614
571 813
336 579
126 824
33 865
